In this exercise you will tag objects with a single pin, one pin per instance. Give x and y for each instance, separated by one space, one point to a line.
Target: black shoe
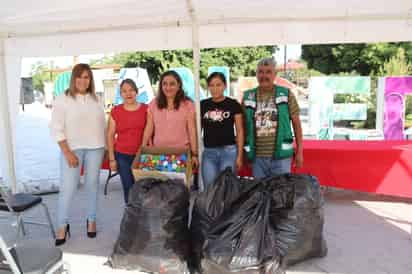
90 234
66 234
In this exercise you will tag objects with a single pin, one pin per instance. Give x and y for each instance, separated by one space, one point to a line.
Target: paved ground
365 234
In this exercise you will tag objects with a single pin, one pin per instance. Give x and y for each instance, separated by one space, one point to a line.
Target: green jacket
284 137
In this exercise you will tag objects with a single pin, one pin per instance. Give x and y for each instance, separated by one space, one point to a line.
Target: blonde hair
77 73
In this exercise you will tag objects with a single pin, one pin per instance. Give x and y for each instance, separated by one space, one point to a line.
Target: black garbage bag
221 198
154 236
298 226
244 242
210 267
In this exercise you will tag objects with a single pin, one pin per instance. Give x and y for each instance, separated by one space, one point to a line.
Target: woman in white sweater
78 126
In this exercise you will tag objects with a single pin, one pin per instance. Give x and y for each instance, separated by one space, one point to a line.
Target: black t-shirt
218 121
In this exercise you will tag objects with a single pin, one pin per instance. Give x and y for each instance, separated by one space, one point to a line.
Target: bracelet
112 160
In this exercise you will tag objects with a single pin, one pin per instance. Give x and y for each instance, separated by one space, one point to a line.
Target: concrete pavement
366 234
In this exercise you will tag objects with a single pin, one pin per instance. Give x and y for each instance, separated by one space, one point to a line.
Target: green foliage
408 108
378 59
242 61
397 65
349 98
151 61
408 122
363 59
312 72
40 75
370 122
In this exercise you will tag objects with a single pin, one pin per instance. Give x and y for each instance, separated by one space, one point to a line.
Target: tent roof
166 24
20 16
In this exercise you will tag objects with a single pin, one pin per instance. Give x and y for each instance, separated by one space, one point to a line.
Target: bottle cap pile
170 163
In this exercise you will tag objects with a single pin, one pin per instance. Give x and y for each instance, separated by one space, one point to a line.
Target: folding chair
17 204
106 166
30 259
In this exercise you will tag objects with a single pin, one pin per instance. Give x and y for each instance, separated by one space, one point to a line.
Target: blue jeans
265 166
215 160
70 177
124 167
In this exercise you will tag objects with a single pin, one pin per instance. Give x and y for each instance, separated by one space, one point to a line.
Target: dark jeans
124 167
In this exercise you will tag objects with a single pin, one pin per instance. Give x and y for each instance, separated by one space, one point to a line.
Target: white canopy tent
47 28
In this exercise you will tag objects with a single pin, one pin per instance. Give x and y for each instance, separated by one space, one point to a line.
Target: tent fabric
5 138
53 28
10 67
50 28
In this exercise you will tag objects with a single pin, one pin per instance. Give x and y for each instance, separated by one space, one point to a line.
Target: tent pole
196 69
196 74
10 172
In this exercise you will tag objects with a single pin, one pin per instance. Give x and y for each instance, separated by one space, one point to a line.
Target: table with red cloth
383 167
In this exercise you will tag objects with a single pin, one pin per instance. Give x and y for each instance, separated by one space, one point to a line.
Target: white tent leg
13 81
196 72
196 68
6 114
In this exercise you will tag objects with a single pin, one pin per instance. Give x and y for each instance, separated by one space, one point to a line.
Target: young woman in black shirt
221 118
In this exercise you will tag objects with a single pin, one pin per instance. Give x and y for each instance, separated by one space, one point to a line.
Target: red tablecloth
383 167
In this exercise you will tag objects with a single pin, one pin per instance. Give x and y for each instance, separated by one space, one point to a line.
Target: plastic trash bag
244 242
298 226
154 236
222 197
296 217
232 212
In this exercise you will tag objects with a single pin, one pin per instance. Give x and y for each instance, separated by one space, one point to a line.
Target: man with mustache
270 149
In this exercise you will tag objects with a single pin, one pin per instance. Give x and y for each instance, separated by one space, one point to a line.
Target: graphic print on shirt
266 117
216 115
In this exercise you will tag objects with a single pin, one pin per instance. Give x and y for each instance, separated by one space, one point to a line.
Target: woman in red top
125 132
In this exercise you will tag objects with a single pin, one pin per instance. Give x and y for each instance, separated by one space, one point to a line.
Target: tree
40 75
151 61
241 61
397 65
362 58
